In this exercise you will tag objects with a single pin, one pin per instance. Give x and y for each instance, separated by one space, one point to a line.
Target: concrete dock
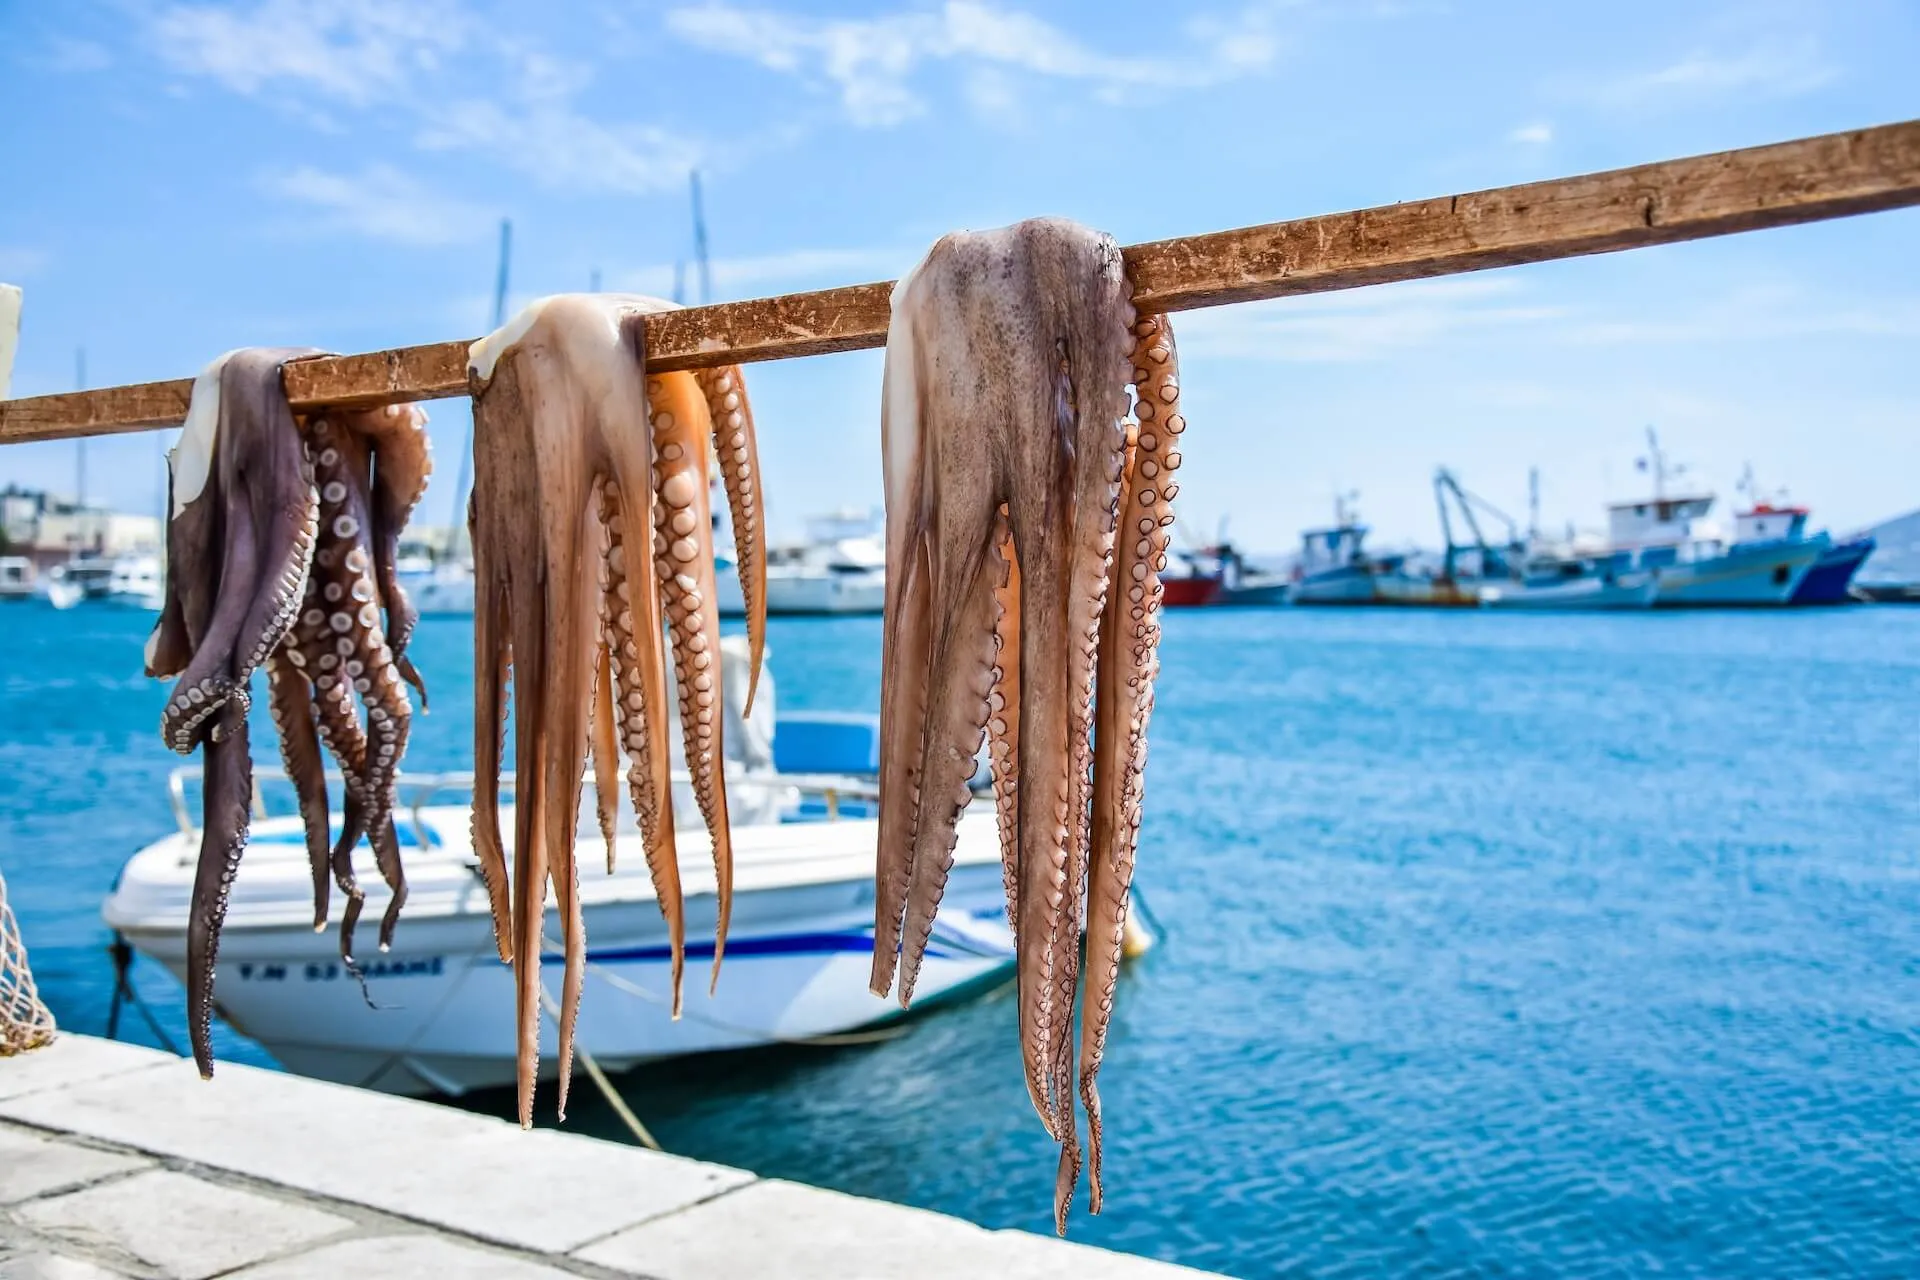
120 1161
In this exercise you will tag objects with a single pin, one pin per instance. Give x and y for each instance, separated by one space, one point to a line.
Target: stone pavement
118 1161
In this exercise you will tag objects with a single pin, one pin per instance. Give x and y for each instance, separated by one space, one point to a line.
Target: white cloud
17 262
559 147
1359 325
870 62
1537 134
355 52
500 97
778 272
380 203
1766 70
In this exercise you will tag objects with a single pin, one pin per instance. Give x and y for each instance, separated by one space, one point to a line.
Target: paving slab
178 1225
545 1191
73 1060
800 1232
411 1255
31 1165
52 1266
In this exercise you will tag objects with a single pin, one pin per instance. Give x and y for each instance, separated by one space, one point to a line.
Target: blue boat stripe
792 944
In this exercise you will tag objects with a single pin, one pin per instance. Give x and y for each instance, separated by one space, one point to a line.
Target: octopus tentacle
1128 664
738 453
226 804
632 612
492 658
402 462
689 601
959 694
208 679
291 700
1003 725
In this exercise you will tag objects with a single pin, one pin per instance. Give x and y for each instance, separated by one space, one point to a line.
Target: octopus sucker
402 463
592 542
1129 643
734 447
270 564
1011 613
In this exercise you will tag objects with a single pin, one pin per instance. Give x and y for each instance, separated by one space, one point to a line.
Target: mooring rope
25 1022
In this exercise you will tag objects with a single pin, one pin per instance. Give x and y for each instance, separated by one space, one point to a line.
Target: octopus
281 543
1027 522
593 573
240 535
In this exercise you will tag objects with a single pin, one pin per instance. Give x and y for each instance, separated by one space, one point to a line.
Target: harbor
1608 844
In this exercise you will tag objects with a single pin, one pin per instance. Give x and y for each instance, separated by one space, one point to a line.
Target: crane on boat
1500 561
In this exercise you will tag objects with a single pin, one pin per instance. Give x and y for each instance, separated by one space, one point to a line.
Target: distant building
51 529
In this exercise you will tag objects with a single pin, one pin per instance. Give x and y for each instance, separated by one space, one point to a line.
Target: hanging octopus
1026 529
239 539
593 561
275 551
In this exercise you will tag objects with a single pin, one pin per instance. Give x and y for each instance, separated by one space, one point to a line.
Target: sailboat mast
466 453
700 240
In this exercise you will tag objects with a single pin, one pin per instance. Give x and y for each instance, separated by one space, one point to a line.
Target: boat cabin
1335 548
1653 522
1768 523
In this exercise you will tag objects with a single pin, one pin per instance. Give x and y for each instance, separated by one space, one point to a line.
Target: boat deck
119 1161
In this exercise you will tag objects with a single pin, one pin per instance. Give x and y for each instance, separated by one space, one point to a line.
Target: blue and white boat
797 957
1334 567
1828 581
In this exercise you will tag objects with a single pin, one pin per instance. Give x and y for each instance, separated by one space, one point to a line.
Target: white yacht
840 568
137 582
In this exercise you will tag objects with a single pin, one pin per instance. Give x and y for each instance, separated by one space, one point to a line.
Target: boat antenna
700 240
1533 504
458 519
1659 464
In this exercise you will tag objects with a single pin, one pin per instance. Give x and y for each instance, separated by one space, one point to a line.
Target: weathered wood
1791 182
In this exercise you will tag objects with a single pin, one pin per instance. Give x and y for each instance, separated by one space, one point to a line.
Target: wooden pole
1807 180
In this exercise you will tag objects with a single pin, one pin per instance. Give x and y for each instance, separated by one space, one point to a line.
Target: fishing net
25 1023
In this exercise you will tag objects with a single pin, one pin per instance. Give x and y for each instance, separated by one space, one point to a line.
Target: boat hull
825 593
1629 591
1255 595
1338 586
1744 576
438 1012
1829 580
1189 592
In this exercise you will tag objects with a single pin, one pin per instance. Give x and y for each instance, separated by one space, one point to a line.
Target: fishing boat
437 1012
1333 566
1772 524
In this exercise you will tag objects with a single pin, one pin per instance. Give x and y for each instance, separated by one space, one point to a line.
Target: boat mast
466 454
1533 505
700 239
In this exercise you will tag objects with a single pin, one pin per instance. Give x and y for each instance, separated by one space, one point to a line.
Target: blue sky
182 178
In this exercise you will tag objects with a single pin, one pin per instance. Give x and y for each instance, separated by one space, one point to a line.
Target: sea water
1491 944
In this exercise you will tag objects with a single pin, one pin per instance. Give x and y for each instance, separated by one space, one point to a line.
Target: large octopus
592 534
251 513
1009 465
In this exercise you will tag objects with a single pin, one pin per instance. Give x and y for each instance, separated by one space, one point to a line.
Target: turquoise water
1495 945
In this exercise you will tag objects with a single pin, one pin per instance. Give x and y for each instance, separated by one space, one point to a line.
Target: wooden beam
1790 182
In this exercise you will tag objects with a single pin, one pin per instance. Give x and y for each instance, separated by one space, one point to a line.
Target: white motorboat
18 581
439 591
137 582
841 568
438 1011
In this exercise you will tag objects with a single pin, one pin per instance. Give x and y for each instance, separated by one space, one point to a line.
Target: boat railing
415 792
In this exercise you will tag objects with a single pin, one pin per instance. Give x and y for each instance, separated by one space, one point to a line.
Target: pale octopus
253 514
593 558
1027 525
